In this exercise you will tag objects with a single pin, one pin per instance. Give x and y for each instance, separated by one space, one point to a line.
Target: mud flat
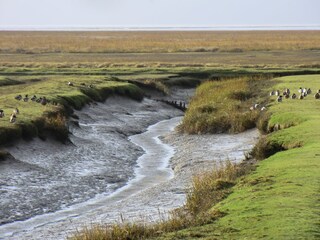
44 177
149 188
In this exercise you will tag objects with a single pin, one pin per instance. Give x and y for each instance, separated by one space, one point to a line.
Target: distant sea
156 28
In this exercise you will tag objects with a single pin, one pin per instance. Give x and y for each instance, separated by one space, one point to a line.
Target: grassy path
281 198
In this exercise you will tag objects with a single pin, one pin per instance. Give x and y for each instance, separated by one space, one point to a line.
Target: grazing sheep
277 93
18 97
317 95
70 84
13 118
305 94
287 96
272 93
34 98
301 96
279 99
300 90
294 96
1 113
263 109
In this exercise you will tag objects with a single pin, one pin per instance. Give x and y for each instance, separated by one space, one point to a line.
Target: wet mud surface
107 174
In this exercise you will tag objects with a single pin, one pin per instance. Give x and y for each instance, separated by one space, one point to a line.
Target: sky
157 13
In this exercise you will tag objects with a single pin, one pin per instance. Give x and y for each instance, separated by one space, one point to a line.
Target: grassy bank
51 82
276 199
224 106
280 199
36 119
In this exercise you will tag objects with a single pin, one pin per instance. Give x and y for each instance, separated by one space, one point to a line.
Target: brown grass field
215 48
157 41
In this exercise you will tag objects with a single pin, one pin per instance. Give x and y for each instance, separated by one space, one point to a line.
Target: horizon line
150 28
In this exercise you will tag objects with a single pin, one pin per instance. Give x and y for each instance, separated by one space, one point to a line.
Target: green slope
281 198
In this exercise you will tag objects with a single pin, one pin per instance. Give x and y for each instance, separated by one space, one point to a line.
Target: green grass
35 119
280 199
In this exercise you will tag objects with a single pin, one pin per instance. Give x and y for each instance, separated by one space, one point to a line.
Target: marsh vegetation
157 42
238 70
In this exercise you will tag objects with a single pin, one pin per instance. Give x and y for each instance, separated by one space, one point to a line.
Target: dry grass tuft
224 106
207 190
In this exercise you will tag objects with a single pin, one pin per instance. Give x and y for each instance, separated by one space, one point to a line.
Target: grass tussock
224 106
207 190
265 148
210 188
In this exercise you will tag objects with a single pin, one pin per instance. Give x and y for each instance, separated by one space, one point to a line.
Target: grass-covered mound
36 119
280 199
224 106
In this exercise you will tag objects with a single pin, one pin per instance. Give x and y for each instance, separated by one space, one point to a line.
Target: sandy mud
108 173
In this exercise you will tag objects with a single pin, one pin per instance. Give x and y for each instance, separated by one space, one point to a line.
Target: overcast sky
141 13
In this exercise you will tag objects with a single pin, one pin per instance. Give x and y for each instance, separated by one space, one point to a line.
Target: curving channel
152 168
